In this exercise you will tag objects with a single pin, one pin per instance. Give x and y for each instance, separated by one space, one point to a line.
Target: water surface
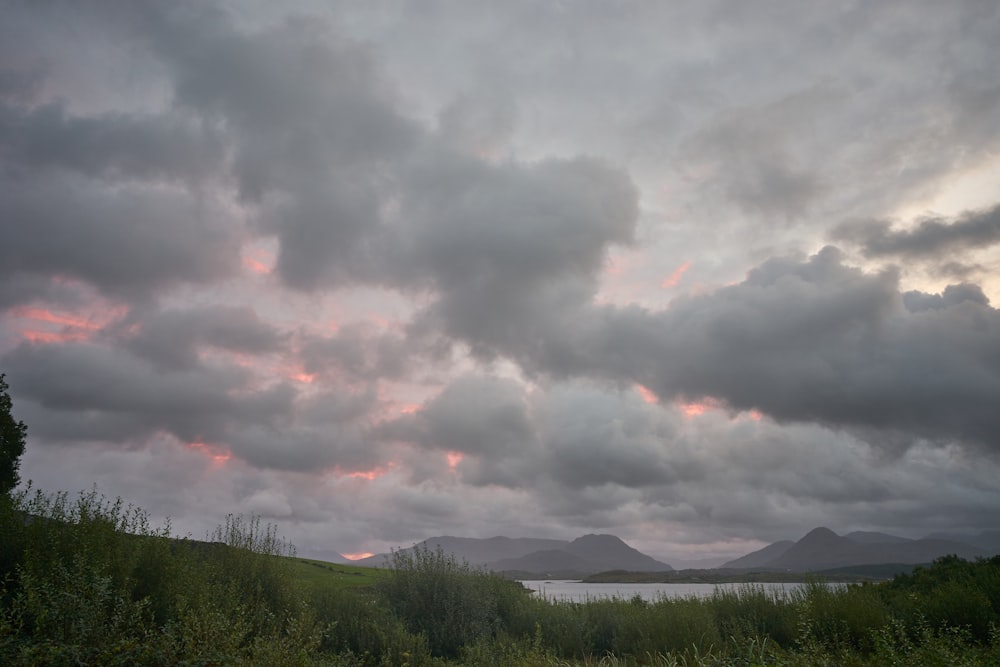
577 591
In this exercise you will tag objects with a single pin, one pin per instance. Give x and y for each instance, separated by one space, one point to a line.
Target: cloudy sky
704 275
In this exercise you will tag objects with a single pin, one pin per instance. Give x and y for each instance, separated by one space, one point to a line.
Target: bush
89 581
451 604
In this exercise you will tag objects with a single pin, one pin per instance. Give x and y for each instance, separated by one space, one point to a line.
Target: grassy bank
90 581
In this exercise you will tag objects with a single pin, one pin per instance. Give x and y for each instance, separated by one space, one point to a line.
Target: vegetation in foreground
90 581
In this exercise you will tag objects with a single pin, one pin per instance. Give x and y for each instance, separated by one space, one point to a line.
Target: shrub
451 604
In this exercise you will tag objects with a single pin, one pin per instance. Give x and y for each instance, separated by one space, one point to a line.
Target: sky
704 275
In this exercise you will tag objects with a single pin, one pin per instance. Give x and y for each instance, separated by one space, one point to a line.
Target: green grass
333 576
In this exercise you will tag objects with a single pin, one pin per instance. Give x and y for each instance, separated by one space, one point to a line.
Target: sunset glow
302 376
367 475
52 317
454 458
697 408
74 327
34 336
218 455
258 260
647 395
358 556
674 278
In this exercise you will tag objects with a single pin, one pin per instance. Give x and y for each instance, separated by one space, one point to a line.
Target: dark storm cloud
300 447
108 197
173 338
929 238
91 392
505 246
801 341
823 342
362 351
572 435
595 437
311 124
478 415
97 384
114 146
124 238
951 296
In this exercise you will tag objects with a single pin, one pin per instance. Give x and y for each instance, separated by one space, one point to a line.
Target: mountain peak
594 538
820 534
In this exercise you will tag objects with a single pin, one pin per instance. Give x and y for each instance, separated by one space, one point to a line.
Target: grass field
333 576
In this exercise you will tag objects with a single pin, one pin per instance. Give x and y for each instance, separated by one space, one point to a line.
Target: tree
12 435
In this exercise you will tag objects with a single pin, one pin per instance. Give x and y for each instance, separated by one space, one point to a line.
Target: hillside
823 549
761 557
585 555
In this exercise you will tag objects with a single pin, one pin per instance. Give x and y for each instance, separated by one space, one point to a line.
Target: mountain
867 537
761 557
585 555
548 562
589 554
987 539
823 549
610 553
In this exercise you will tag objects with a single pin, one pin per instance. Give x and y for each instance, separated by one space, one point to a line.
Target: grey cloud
951 296
504 246
311 123
125 239
172 338
114 146
819 341
91 392
756 156
479 124
360 351
97 386
928 239
478 415
305 447
802 341
594 437
21 288
339 405
567 436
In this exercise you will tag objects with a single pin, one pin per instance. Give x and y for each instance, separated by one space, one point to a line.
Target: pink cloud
647 394
40 324
258 259
218 455
674 278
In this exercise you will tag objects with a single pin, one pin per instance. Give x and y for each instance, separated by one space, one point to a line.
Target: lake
578 591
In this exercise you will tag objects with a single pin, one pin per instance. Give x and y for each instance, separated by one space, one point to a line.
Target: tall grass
88 580
449 603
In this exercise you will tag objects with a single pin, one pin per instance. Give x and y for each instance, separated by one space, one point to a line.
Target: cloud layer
706 286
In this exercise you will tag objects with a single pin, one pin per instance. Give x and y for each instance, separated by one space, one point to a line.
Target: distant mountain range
823 549
820 550
583 556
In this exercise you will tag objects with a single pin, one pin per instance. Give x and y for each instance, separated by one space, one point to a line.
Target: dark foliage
12 437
